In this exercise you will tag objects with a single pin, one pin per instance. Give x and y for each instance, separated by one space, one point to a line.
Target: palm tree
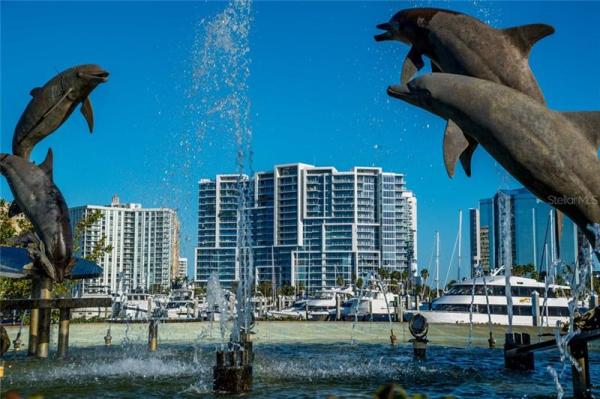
424 277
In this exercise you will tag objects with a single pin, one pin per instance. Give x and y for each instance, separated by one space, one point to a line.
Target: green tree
12 227
383 273
359 283
265 288
286 290
527 270
340 281
100 247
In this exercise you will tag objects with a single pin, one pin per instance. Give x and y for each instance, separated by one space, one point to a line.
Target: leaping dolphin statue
53 103
553 154
460 44
42 202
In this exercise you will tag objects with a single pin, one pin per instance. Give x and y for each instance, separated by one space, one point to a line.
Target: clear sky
317 87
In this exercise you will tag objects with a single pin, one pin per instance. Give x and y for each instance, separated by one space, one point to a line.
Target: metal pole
582 385
44 319
153 335
34 319
63 332
535 308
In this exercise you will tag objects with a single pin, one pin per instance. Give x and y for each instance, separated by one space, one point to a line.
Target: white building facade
143 244
311 226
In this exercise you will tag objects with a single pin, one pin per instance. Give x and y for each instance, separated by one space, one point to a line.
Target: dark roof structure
13 259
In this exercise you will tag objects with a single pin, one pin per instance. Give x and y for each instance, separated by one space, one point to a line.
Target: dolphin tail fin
589 123
457 145
525 36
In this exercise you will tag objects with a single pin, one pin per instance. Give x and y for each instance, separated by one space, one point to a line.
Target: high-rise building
183 268
143 244
516 226
310 226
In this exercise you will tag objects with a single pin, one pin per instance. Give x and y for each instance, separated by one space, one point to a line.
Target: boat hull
439 317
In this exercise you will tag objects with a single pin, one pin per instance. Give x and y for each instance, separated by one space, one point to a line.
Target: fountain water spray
220 77
215 299
506 238
577 281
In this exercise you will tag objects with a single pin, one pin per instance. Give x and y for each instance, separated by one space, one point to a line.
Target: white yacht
371 305
455 305
93 291
132 306
315 307
181 305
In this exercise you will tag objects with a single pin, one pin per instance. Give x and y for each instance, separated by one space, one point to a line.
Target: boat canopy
12 261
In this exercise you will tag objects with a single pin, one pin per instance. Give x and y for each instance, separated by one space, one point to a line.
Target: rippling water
284 368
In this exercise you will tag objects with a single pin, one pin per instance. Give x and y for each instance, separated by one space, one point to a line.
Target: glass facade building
531 230
312 226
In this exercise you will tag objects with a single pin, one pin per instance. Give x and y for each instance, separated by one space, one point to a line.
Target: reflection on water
286 364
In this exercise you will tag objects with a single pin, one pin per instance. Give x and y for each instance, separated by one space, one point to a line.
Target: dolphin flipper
23 240
37 252
60 100
455 143
589 123
435 67
88 113
465 157
412 63
525 36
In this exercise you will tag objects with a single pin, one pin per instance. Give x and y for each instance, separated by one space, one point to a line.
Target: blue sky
317 88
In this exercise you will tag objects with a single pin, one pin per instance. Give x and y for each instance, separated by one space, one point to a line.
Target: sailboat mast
459 243
437 263
534 237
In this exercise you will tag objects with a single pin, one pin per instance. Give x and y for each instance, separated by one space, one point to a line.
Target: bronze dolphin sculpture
42 202
53 103
553 154
460 44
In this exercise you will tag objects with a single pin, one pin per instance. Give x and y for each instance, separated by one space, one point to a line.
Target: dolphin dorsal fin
525 36
46 166
589 123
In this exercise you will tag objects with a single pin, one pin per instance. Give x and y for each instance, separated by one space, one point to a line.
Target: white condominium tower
310 225
144 244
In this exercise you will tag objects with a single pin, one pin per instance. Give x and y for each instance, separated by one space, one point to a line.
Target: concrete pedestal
43 338
63 332
233 372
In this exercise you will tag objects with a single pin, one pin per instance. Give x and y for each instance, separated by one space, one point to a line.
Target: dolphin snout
387 35
399 91
100 75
